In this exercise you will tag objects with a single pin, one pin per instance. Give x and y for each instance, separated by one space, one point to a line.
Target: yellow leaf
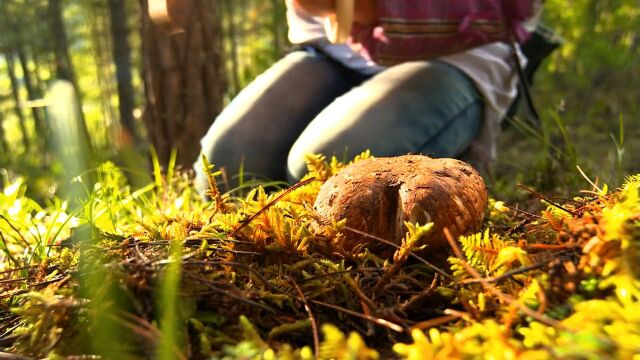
509 255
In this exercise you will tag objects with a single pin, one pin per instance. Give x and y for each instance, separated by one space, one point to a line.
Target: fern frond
220 201
482 250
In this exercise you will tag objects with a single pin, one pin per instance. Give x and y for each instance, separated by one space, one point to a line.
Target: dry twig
312 319
270 204
213 287
508 274
435 322
551 202
396 246
381 322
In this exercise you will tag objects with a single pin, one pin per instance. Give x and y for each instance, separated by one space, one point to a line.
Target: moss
552 285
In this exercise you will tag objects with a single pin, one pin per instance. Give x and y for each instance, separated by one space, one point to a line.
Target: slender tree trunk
101 46
32 91
242 37
184 80
233 38
15 89
278 12
37 80
122 58
64 66
3 139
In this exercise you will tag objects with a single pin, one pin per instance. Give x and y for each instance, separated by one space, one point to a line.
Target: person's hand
173 14
365 11
341 15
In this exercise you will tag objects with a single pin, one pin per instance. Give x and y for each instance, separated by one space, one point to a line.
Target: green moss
556 285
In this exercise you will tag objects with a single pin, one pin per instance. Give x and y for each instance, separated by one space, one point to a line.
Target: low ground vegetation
156 271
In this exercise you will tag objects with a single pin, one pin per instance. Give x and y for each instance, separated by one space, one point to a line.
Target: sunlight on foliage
27 231
489 254
258 277
338 346
476 340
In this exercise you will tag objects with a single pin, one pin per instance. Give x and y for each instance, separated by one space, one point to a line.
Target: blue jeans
309 103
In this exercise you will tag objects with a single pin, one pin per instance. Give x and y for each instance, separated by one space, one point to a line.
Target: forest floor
157 272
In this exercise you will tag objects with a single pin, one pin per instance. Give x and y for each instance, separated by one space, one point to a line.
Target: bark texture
377 196
184 79
32 91
4 146
122 58
15 91
64 67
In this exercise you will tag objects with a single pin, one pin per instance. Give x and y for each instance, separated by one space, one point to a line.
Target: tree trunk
64 68
232 35
32 91
184 80
103 60
4 146
15 89
278 27
122 58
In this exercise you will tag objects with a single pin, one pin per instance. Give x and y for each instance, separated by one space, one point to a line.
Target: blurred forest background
137 86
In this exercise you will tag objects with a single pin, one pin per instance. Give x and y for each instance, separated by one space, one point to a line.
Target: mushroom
377 195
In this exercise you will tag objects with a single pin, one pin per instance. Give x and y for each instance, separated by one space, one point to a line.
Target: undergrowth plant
159 272
28 231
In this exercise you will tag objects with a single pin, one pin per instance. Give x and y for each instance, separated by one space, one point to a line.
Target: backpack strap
534 119
537 48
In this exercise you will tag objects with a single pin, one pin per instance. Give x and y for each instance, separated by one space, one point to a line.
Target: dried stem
381 322
312 319
523 212
413 254
243 266
552 203
435 322
350 271
17 269
510 273
10 356
418 298
24 240
11 281
270 204
213 287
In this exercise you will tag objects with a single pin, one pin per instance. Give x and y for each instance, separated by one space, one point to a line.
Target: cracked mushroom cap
378 195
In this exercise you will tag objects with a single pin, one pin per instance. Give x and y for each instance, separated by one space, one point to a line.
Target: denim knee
421 107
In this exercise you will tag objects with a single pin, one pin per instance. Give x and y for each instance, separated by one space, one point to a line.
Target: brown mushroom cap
377 195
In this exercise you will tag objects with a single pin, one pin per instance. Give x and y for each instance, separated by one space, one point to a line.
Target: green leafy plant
157 271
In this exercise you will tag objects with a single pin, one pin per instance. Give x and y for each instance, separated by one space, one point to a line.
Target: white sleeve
532 23
302 26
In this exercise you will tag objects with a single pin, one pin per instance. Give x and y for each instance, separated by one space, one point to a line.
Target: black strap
534 119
